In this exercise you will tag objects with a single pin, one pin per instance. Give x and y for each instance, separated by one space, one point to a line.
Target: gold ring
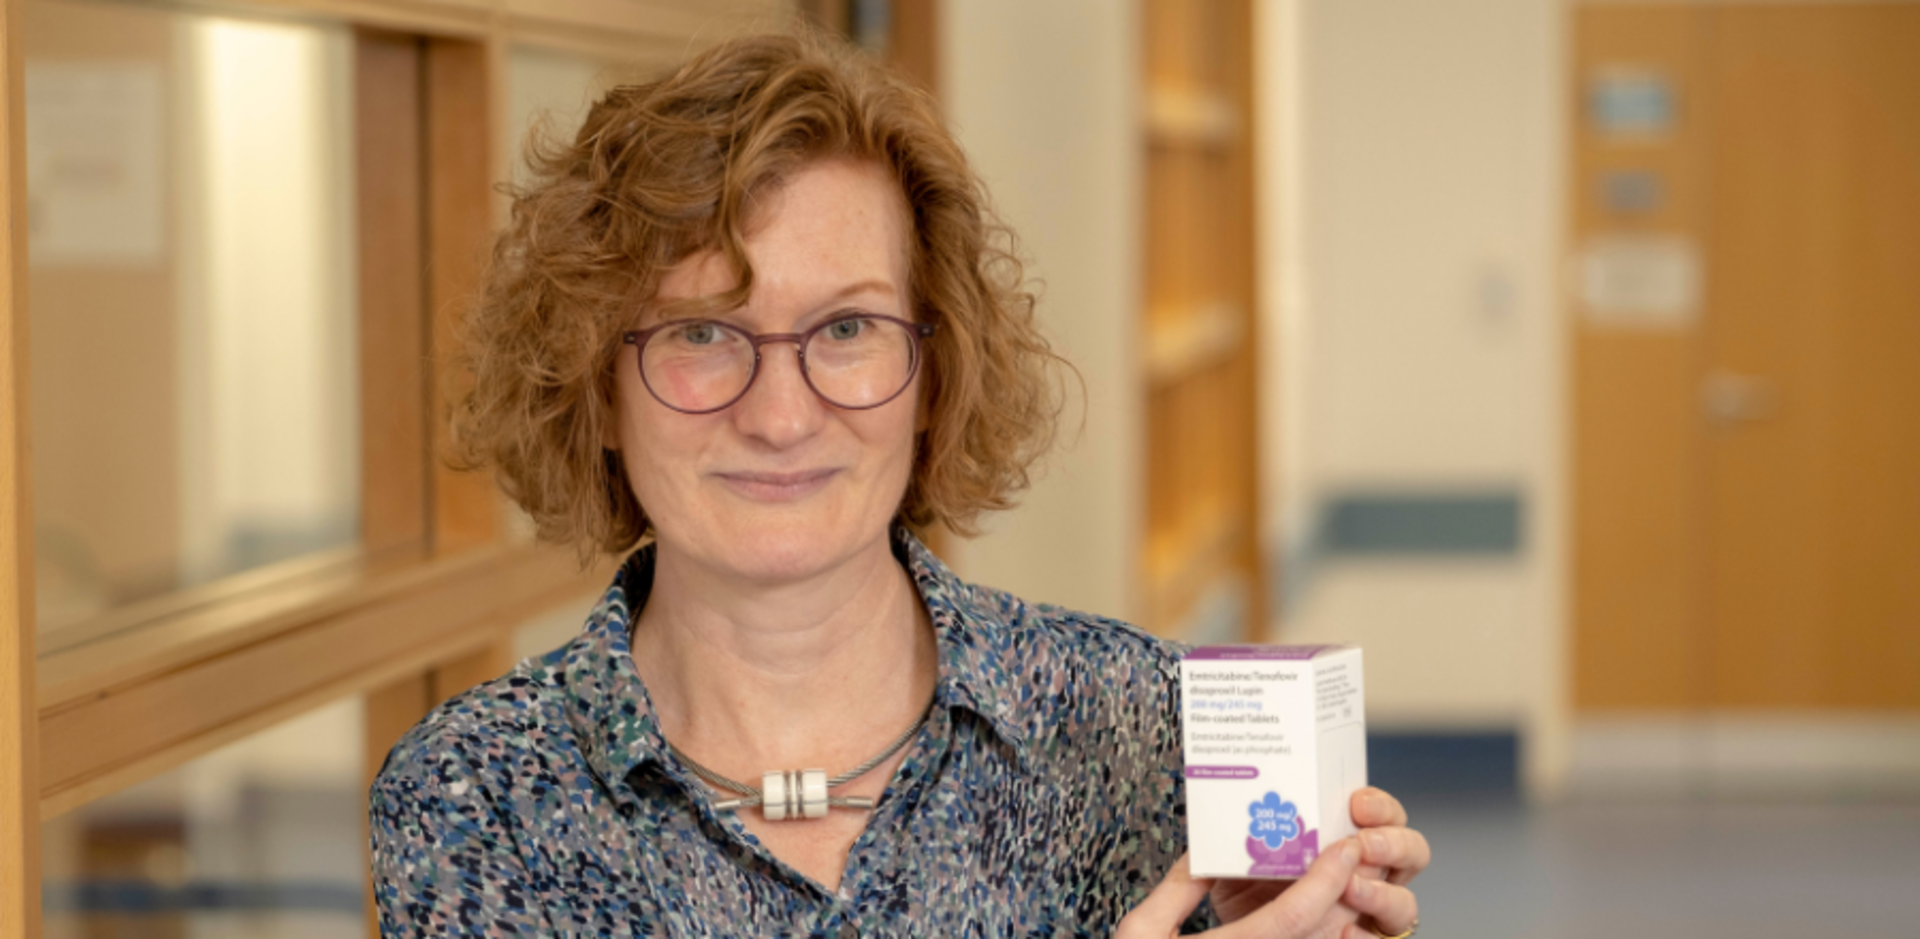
1410 930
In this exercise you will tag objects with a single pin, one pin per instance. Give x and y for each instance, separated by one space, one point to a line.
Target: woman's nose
780 408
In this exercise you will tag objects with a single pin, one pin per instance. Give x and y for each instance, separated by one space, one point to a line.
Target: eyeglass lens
704 365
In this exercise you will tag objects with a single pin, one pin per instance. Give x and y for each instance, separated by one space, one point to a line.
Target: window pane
262 839
192 300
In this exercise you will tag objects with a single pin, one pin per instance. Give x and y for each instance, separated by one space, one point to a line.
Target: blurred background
1564 355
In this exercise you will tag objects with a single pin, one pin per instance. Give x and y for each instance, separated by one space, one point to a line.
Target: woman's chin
785 549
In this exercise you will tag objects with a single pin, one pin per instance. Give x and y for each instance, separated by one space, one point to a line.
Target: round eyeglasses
855 362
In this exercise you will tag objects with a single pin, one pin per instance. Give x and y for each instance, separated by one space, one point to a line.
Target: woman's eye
846 329
699 334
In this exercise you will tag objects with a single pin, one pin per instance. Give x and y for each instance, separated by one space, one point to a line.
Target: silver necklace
797 793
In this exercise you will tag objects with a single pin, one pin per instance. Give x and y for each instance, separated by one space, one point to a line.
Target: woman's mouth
777 487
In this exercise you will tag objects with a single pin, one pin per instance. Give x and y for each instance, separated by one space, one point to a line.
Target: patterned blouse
1042 798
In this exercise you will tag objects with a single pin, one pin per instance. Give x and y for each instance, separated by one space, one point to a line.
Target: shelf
1186 342
1183 562
1189 118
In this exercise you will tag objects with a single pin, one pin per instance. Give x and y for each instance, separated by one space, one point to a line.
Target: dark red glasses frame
918 332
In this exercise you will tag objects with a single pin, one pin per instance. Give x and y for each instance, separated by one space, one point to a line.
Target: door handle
1729 398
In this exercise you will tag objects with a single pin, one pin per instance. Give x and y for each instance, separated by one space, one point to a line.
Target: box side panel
1340 718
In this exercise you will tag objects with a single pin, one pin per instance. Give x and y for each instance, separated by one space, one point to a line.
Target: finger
1392 907
1372 807
1162 912
1403 852
1305 904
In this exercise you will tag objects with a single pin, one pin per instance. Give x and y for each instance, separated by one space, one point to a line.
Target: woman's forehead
833 230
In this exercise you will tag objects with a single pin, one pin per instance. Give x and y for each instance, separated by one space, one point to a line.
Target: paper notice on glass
95 164
1647 281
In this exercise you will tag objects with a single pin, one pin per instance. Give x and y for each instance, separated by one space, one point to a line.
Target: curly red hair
664 170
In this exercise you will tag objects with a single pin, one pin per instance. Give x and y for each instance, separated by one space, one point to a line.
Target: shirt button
847 931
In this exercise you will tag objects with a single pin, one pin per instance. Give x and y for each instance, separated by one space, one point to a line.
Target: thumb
1305 904
1162 912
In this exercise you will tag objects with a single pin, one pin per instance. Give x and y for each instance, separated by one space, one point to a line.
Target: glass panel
261 839
192 300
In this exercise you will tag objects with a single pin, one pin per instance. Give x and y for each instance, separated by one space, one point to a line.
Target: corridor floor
1680 868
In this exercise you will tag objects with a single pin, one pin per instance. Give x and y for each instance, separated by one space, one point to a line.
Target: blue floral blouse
1042 798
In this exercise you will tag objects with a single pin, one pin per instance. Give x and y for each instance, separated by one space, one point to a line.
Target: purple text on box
1223 772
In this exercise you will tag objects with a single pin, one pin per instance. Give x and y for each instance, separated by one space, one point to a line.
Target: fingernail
1375 843
1349 853
1360 887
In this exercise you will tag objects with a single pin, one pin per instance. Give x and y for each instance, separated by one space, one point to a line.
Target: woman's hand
1308 908
1392 856
1372 884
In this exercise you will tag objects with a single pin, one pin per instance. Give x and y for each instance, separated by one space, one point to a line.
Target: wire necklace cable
797 794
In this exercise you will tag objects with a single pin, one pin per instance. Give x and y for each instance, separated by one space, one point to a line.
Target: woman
759 311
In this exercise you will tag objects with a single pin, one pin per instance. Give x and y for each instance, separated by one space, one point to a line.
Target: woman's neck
749 677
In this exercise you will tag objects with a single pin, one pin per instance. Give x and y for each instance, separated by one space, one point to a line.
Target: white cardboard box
1276 745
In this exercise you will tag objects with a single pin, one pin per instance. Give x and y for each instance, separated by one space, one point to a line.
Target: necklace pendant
793 794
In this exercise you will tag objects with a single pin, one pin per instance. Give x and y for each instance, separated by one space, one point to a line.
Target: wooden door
1748 477
1813 357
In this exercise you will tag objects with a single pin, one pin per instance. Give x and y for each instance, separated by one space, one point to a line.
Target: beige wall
1043 97
1411 185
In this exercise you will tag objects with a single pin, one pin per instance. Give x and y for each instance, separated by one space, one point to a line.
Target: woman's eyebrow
864 286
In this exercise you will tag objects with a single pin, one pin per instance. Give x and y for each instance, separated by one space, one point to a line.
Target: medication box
1276 745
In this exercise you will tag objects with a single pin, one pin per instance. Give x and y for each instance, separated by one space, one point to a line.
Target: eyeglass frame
637 338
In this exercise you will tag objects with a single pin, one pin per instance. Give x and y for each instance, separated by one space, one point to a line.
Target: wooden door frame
19 722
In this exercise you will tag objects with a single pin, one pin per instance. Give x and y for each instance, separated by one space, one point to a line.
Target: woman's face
781 484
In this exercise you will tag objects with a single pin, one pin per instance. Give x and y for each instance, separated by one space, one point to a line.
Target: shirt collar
612 715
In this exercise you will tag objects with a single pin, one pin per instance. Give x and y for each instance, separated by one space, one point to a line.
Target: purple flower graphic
1274 821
